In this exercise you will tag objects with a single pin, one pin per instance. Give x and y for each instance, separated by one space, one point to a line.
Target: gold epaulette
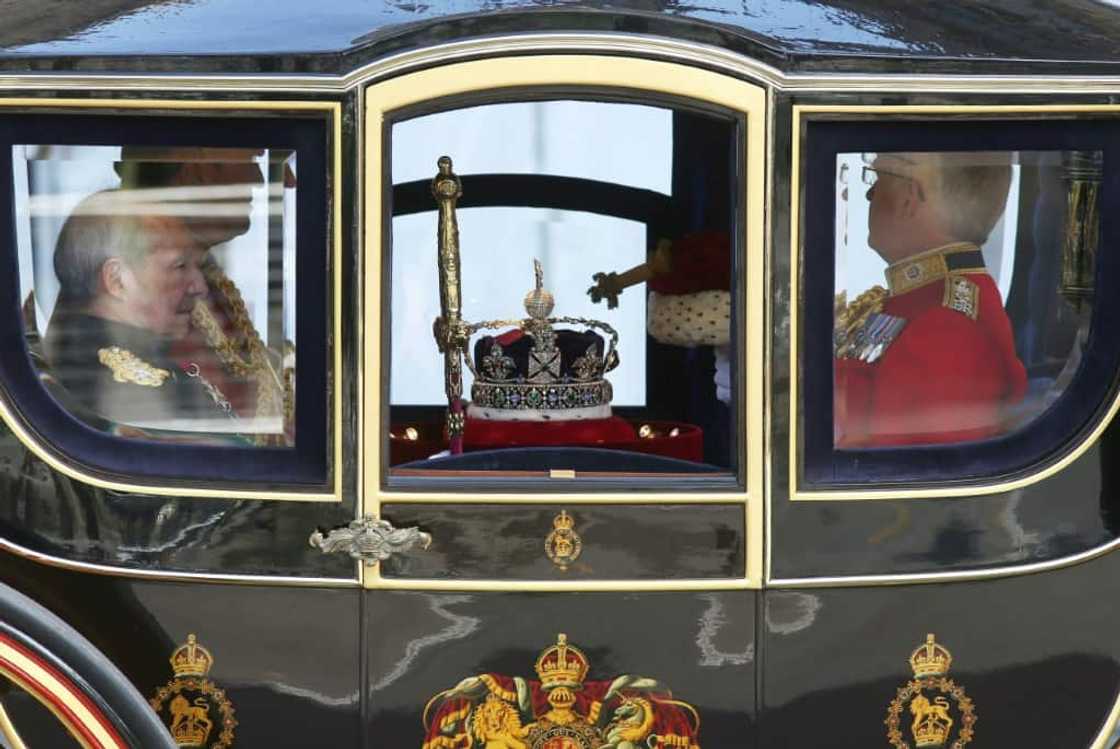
128 367
851 315
962 295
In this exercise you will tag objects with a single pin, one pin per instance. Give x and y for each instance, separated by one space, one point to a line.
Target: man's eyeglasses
871 175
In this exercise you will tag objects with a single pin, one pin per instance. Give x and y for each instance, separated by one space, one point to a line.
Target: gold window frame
597 73
973 488
154 107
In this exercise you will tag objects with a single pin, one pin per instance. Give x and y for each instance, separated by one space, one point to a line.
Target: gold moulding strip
562 586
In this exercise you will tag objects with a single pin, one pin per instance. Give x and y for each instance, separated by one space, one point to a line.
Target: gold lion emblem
498 726
188 719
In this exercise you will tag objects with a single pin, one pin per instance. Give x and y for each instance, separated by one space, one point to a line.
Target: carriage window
575 258
957 333
159 287
935 339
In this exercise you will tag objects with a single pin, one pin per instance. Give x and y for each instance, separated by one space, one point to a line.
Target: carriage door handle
370 539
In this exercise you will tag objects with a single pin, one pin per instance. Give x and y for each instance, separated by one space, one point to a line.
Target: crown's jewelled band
524 396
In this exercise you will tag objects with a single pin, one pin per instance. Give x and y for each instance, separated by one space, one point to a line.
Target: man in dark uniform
128 283
932 358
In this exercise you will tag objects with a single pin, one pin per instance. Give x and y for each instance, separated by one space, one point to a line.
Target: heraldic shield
559 710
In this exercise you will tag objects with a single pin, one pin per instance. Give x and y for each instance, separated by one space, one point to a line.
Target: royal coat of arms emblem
560 709
198 714
942 714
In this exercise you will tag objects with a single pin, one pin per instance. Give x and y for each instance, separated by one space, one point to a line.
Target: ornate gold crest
128 367
946 712
561 709
194 709
962 295
563 544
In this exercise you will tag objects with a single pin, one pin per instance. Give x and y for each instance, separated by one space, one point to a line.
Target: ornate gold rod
449 329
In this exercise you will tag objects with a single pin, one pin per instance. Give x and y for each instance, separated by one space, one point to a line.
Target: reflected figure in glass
163 281
128 284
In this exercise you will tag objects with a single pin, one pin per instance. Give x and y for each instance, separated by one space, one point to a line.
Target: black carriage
559 375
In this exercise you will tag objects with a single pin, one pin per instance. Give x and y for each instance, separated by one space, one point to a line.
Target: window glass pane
638 373
567 241
963 285
562 138
159 287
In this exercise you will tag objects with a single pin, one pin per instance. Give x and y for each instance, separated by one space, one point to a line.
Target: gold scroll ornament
938 709
197 713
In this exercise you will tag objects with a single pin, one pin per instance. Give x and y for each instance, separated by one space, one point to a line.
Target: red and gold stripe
77 712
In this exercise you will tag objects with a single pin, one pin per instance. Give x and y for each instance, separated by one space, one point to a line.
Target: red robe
948 376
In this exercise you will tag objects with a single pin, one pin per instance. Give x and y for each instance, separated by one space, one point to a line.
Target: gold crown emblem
191 734
931 735
191 659
930 659
562 665
563 521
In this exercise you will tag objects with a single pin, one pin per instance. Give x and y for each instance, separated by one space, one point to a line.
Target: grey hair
970 189
98 229
974 198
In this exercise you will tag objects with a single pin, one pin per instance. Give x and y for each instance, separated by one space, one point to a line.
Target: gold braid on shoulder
245 355
850 316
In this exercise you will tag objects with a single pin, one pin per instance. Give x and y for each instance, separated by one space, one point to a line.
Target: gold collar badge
497 712
194 709
947 719
929 266
128 367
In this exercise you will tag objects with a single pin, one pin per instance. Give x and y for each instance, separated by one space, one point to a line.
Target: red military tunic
937 364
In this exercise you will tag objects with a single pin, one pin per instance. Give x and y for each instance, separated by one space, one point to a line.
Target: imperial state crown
539 380
535 371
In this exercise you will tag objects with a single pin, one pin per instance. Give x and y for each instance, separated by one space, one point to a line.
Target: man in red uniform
931 359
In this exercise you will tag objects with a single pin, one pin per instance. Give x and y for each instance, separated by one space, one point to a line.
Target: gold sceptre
449 329
609 285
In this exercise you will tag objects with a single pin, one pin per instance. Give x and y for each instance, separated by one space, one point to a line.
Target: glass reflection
599 194
988 259
162 282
